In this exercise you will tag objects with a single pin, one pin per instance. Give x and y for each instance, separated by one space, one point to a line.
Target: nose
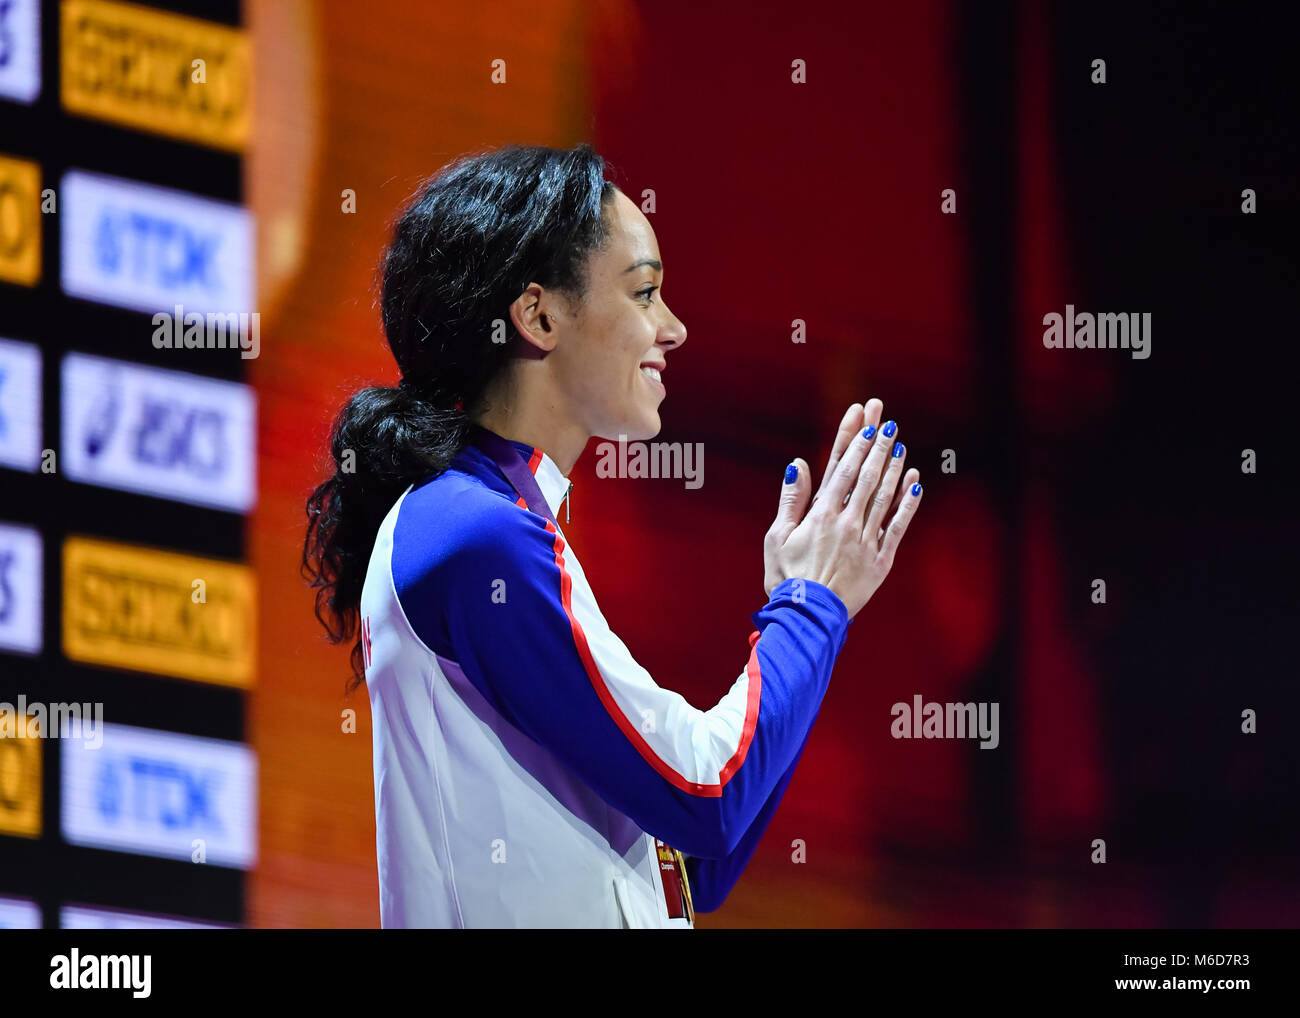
672 332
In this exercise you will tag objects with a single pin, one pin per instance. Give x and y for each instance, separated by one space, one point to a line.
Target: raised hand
846 538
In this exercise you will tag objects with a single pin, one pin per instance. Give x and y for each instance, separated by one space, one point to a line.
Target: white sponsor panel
159 432
19 914
149 248
83 917
20 404
21 582
164 794
20 49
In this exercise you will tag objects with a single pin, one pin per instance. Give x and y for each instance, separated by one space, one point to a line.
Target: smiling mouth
652 373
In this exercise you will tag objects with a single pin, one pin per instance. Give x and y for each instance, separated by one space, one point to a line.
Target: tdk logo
143 247
157 791
155 251
162 794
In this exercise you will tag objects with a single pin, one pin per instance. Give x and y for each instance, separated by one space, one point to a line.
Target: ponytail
382 440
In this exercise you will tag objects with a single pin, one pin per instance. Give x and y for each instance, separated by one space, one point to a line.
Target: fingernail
791 473
869 431
889 429
898 449
916 488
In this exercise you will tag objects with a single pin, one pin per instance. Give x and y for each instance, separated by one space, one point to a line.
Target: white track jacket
525 765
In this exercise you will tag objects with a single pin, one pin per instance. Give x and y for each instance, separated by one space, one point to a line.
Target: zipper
566 502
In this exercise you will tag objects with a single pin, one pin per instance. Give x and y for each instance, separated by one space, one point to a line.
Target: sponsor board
149 248
20 221
162 794
19 914
20 405
20 785
159 432
157 611
84 917
20 50
21 589
156 71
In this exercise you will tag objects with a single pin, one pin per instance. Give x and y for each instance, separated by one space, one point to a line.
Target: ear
533 315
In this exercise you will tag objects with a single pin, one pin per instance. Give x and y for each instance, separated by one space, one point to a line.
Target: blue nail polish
870 430
916 488
889 429
898 449
791 473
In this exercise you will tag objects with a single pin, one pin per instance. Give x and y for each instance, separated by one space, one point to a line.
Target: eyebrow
654 263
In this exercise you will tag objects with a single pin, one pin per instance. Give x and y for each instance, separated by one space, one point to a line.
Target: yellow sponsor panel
157 611
157 71
20 221
20 776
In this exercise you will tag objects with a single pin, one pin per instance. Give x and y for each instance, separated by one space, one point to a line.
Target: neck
537 423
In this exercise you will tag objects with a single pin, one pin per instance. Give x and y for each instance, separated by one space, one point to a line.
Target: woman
528 772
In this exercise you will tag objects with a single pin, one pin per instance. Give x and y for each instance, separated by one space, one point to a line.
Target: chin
644 427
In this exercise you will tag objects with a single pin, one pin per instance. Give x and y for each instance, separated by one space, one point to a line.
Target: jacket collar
552 483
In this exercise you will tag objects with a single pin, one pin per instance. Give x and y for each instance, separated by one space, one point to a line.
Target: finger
909 478
885 493
898 525
850 425
868 476
795 487
841 482
871 412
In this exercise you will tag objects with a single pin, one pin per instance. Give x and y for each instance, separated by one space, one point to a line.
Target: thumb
795 491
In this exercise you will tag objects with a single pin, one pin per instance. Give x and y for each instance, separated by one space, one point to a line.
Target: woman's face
623 328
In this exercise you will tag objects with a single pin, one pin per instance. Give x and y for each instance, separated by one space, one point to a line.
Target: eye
645 292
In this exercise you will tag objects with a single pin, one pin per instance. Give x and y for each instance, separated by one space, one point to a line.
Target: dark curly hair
464 247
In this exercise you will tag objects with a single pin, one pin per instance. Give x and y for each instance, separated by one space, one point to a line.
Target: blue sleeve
494 593
711 880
